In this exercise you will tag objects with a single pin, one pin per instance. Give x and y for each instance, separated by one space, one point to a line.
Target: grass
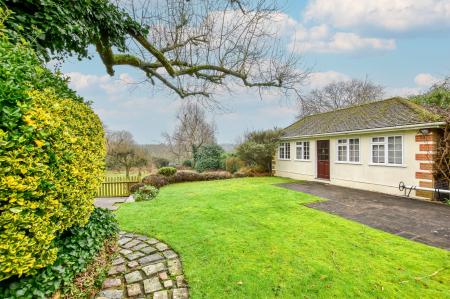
247 238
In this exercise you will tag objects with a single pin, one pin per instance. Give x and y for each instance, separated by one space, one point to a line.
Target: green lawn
246 238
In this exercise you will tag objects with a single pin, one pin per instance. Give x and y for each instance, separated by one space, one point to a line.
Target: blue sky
403 45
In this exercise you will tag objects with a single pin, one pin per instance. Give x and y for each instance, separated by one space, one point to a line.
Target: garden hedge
51 159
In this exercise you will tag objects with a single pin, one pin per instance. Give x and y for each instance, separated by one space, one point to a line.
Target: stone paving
144 268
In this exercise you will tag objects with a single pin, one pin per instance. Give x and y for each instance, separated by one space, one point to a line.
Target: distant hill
228 147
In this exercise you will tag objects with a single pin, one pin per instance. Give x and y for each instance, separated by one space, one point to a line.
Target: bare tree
339 94
196 48
123 152
192 131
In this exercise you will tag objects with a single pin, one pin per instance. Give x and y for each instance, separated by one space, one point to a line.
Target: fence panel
117 186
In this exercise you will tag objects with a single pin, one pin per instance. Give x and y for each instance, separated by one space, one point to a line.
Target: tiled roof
382 114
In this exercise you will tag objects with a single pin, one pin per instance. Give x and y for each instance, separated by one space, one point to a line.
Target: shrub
147 192
134 188
51 160
259 148
155 180
76 248
208 157
167 171
251 171
187 163
216 175
233 164
160 162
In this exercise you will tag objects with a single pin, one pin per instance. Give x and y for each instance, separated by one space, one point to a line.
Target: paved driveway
417 220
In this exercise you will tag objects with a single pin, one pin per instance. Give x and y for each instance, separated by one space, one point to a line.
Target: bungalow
371 146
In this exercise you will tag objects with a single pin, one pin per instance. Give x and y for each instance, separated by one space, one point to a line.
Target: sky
403 45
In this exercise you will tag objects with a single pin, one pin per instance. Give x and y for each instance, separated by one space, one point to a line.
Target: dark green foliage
145 193
68 27
437 96
187 163
167 171
76 248
160 162
259 148
208 157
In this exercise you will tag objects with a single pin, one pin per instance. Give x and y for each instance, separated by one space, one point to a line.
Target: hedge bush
51 159
187 163
76 249
147 192
159 181
167 171
233 164
208 157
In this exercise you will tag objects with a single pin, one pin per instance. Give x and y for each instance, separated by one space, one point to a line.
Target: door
323 159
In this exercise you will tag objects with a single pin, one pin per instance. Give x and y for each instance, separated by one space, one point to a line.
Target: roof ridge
348 107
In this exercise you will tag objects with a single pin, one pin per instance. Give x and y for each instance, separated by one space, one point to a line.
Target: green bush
51 160
187 163
147 192
160 162
208 157
155 180
233 164
76 248
167 171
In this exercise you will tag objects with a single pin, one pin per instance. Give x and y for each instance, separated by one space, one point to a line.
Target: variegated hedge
51 159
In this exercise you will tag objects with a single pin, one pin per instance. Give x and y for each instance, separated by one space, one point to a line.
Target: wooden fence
117 186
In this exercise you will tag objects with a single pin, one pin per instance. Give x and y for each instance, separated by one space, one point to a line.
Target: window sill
389 165
299 160
279 159
352 163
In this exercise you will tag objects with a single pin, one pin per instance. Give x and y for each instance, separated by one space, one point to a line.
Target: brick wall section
426 166
426 146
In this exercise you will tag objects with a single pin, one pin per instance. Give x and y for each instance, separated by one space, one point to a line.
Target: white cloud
425 80
111 85
321 79
391 15
322 39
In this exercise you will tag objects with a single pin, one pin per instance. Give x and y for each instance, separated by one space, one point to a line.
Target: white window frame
286 149
301 145
347 145
386 150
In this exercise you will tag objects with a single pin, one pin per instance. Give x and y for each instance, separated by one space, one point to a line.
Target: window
285 151
353 150
342 150
348 150
302 150
387 150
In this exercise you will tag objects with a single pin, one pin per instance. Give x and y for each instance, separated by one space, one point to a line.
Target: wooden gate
117 186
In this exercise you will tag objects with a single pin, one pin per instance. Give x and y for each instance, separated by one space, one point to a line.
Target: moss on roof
381 114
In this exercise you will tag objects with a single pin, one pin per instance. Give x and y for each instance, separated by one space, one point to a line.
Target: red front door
323 159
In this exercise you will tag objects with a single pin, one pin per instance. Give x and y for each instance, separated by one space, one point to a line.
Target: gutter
374 130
